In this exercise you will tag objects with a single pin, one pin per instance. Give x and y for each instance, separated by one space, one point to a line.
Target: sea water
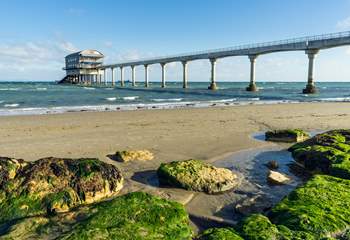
18 98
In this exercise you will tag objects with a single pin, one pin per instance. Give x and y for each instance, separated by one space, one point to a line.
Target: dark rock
288 135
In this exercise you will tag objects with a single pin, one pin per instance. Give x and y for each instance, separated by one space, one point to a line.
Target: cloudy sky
35 35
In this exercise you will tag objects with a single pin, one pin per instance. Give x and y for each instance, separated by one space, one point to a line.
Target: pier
89 69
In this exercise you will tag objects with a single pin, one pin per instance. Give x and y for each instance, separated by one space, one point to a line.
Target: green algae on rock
129 217
9 168
327 152
287 135
53 185
219 234
321 207
196 175
140 155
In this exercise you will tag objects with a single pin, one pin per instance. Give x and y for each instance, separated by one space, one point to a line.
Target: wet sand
212 134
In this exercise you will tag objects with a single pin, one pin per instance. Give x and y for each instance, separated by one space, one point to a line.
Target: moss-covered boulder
320 207
9 168
259 227
220 234
133 155
196 175
53 185
327 152
287 135
134 216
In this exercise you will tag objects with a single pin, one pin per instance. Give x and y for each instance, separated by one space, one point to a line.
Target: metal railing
246 47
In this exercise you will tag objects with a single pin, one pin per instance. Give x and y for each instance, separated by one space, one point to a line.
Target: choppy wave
336 99
167 99
10 89
130 98
223 100
111 99
41 89
11 105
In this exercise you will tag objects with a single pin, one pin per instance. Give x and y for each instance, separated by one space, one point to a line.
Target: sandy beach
211 134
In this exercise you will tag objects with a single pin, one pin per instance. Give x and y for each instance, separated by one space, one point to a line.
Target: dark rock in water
196 175
132 216
219 234
327 152
257 204
272 165
288 135
52 185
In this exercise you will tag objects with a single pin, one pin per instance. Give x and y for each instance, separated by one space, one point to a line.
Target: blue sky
36 35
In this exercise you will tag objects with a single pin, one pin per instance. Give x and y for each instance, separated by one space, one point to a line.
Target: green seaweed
288 135
219 234
320 207
258 227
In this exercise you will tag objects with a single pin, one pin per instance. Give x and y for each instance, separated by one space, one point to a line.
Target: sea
30 97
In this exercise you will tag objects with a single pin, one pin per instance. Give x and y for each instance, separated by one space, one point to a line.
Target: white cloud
26 60
344 24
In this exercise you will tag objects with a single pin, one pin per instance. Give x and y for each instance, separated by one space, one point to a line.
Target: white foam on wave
89 88
336 99
10 89
111 99
130 98
167 99
11 105
223 100
252 99
41 89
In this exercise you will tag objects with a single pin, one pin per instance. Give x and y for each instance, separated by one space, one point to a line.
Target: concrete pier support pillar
146 76
252 86
112 72
212 85
104 76
184 74
122 76
133 77
163 74
310 86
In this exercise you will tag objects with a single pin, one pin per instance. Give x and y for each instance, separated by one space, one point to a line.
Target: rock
9 168
327 152
256 204
140 155
272 164
288 135
196 175
53 185
277 178
135 215
219 233
319 207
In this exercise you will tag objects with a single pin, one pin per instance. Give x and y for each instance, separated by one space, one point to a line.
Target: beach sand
204 133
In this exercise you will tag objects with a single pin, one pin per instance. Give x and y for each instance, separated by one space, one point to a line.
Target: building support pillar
163 74
146 76
122 76
252 86
133 77
112 72
184 74
310 86
212 85
104 76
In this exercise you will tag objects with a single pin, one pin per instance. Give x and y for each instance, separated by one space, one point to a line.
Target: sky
36 35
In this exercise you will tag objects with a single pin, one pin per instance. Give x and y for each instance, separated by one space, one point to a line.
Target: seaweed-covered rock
320 207
52 185
132 216
327 152
9 168
288 135
196 175
219 234
259 227
140 155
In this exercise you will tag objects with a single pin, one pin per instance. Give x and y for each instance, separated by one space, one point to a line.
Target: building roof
87 53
